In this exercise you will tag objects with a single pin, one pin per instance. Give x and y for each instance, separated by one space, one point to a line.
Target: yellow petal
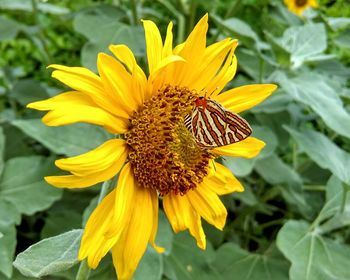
168 43
127 252
224 76
222 181
117 82
93 238
248 148
163 74
245 97
139 80
84 80
155 205
73 107
208 205
182 216
192 51
154 44
213 58
93 167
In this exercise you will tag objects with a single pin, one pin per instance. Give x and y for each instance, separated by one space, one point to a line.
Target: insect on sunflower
158 155
299 6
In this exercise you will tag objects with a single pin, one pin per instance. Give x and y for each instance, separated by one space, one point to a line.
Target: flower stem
134 12
104 190
83 272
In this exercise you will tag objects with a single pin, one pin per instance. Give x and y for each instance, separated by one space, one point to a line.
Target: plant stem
83 272
345 196
104 190
41 35
232 9
134 12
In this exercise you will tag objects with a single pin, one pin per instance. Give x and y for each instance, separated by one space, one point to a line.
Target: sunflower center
164 154
300 3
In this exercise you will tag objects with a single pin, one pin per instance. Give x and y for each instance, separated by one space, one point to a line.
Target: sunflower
299 6
155 154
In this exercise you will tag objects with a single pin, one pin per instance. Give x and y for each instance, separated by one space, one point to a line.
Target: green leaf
28 90
102 27
68 140
188 262
57 222
23 184
26 5
304 42
337 206
164 234
9 214
313 257
232 260
50 255
321 97
240 30
150 267
7 249
324 152
334 195
8 28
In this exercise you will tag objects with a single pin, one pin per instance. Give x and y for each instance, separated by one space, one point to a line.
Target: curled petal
93 167
208 205
182 216
73 107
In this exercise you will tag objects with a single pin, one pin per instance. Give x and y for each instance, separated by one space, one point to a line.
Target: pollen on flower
164 154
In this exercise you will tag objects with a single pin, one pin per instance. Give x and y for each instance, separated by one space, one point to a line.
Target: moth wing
237 128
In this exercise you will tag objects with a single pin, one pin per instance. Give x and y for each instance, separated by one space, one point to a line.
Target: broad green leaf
68 140
324 152
304 42
9 214
150 267
232 260
275 171
102 27
274 104
338 22
239 166
164 234
313 256
241 30
28 90
7 249
50 255
57 222
26 5
188 262
337 206
314 90
334 198
343 40
8 28
23 184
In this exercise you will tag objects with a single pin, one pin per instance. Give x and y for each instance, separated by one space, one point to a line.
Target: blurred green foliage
292 221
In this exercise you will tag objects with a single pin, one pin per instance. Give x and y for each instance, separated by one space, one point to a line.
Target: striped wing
214 126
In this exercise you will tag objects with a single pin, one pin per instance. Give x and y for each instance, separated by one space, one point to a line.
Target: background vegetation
292 221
